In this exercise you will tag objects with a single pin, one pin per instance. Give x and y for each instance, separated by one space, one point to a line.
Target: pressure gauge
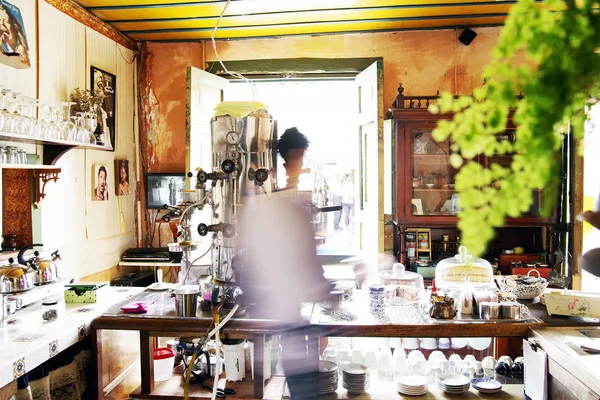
232 137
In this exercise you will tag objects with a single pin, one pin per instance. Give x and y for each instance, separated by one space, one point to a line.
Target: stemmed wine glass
5 114
67 128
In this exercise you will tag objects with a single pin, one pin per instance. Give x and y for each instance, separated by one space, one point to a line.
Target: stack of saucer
412 385
485 385
355 377
453 383
328 377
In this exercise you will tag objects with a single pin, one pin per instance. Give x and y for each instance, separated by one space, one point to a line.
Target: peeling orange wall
424 61
163 103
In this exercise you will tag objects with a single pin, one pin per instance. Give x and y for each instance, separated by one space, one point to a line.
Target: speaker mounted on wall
467 36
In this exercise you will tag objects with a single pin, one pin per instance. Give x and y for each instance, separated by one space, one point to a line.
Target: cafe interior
255 199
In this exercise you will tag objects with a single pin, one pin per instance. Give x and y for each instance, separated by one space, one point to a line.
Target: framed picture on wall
122 177
106 83
14 49
99 183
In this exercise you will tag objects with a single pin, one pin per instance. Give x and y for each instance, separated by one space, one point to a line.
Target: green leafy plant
549 52
85 100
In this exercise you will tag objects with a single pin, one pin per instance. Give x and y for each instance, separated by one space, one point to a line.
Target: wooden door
368 209
204 93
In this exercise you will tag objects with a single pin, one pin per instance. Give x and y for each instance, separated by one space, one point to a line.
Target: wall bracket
41 178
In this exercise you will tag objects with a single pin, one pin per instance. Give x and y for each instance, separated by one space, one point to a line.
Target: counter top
399 321
27 340
562 345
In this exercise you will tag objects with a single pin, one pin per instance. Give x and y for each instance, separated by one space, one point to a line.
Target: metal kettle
17 277
46 268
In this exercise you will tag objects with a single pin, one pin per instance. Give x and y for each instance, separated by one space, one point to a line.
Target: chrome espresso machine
244 162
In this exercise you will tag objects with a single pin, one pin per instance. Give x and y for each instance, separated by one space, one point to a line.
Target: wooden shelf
29 166
433 190
172 389
55 147
431 155
14 137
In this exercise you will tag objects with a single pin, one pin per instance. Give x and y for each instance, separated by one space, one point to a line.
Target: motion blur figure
283 271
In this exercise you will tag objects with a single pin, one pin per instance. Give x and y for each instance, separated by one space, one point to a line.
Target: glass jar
2 155
22 157
49 310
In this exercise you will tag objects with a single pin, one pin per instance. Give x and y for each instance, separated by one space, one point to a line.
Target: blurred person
348 199
291 147
101 190
337 201
283 270
172 192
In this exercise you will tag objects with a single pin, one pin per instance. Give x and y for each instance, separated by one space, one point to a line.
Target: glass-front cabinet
425 191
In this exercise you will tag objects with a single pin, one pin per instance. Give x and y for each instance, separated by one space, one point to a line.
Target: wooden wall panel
89 234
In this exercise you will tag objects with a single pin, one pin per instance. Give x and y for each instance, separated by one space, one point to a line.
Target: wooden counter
573 373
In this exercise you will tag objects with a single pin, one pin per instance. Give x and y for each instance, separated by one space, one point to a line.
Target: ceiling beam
88 19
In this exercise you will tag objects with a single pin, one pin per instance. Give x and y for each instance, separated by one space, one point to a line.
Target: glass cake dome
401 286
463 268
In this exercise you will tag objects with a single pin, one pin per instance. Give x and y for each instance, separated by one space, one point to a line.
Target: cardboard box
87 296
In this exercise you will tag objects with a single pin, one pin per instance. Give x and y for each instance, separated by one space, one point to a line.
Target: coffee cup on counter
335 300
489 310
510 310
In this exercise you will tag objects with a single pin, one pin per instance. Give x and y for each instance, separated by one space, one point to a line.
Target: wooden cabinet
425 192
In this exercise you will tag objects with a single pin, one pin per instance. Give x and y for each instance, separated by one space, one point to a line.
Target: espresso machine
244 159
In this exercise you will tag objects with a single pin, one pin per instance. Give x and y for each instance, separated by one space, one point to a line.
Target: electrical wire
190 268
232 73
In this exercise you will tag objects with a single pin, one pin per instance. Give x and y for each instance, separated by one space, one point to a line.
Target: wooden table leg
259 378
97 382
147 362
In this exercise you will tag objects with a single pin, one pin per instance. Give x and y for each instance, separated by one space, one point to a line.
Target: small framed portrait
99 183
122 177
417 207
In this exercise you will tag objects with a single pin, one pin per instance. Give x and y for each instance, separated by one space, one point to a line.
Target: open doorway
325 111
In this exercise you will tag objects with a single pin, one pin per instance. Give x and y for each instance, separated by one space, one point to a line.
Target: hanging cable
232 73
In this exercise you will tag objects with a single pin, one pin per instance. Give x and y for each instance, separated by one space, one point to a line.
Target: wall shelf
54 148
29 166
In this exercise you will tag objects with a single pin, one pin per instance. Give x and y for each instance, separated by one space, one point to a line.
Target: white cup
235 366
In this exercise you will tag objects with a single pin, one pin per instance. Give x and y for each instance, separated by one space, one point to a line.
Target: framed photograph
14 49
99 183
107 112
164 189
417 207
121 177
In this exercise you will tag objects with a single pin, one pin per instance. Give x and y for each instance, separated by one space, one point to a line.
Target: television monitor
164 189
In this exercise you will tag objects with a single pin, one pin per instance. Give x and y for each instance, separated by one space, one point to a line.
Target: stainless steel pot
16 277
47 268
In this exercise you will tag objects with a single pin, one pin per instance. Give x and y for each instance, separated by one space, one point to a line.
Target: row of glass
12 155
26 116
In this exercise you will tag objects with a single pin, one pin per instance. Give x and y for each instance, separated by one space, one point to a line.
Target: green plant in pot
547 51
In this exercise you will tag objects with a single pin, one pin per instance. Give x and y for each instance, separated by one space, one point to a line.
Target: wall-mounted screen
164 189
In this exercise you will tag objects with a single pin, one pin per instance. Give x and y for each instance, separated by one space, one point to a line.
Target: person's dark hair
102 169
291 139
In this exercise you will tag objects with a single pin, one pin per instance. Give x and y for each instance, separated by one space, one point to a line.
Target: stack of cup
376 298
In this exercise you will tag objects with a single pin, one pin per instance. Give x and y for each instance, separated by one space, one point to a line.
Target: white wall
88 233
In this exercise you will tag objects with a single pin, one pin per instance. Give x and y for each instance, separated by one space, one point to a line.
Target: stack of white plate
328 377
485 385
355 377
413 385
453 383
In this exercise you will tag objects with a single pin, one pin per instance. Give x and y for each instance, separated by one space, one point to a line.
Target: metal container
510 310
16 277
335 300
250 143
186 302
489 310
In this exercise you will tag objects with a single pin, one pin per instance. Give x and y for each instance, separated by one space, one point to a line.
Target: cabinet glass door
433 178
